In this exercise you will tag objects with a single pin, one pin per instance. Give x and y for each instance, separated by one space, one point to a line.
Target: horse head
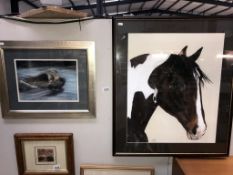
177 84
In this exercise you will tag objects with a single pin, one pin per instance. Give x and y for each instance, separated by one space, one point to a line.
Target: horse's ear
183 52
195 56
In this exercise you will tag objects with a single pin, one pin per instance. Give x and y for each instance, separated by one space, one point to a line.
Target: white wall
5 7
92 137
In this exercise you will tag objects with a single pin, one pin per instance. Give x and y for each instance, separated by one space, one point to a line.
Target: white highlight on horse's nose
201 130
199 133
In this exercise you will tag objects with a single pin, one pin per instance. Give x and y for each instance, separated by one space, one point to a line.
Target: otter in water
47 80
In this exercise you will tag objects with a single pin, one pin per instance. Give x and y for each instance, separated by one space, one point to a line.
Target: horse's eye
176 86
182 87
170 86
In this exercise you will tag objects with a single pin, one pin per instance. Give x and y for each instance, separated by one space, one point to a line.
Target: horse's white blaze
201 126
138 78
155 94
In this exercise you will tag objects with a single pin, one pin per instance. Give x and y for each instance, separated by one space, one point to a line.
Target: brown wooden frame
20 152
115 167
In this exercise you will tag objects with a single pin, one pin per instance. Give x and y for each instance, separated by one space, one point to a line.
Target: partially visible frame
125 30
45 153
47 79
115 170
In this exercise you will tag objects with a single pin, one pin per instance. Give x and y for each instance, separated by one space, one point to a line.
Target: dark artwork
45 80
45 155
177 84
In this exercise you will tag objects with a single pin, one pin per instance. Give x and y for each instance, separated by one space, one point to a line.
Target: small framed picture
47 79
115 170
47 153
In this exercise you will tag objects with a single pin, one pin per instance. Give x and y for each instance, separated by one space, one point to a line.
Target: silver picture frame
24 94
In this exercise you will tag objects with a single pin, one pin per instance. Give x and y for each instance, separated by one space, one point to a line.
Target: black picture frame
122 27
47 79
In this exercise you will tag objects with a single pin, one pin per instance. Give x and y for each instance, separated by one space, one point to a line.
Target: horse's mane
200 74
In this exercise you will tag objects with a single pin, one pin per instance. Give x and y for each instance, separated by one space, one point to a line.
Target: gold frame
116 168
88 45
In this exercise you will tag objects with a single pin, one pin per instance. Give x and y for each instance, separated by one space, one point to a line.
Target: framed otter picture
172 86
47 79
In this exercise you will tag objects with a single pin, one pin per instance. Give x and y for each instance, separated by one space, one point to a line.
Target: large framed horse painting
172 86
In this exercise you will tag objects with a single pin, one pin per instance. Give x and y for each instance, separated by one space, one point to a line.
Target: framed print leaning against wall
92 169
47 79
172 86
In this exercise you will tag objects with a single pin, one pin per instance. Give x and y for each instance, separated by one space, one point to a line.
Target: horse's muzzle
196 135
